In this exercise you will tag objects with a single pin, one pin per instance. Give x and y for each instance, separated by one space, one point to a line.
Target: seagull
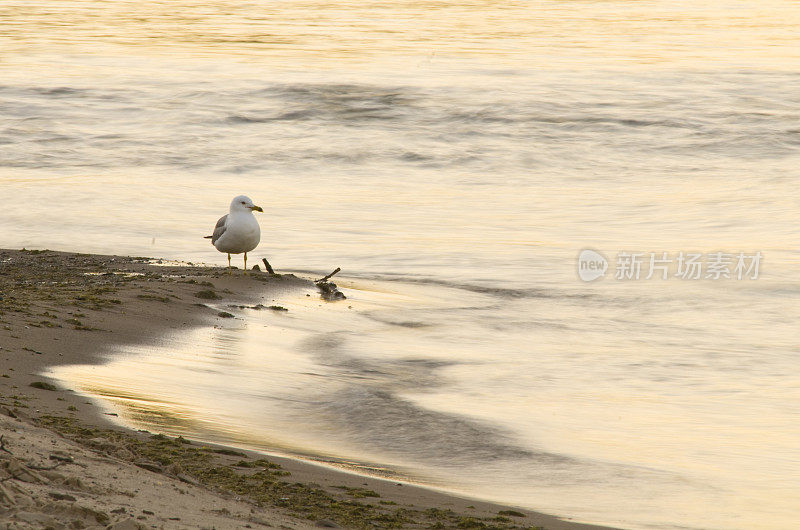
237 231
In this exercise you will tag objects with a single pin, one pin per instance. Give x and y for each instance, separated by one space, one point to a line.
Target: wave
365 403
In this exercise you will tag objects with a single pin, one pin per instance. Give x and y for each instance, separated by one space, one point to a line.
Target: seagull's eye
243 202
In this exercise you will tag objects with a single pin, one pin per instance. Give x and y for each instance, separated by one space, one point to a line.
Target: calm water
453 159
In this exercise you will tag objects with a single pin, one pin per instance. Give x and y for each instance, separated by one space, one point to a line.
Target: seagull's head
243 203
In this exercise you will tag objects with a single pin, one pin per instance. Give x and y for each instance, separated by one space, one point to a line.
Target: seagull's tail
207 237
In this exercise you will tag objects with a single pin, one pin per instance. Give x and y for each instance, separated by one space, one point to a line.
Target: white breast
242 234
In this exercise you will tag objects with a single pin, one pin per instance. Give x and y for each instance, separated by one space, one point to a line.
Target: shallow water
453 159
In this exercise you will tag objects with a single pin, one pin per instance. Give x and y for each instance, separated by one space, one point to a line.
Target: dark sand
62 308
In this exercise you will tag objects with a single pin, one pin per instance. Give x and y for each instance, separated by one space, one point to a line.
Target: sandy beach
64 463
567 234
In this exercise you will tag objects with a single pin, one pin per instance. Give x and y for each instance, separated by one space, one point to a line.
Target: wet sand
64 462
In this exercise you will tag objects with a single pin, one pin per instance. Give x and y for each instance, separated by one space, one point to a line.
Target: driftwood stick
3 445
326 278
268 266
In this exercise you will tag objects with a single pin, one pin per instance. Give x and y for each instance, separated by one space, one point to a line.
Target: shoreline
59 308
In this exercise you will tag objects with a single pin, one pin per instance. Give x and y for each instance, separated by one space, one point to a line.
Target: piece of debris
268 266
329 276
330 292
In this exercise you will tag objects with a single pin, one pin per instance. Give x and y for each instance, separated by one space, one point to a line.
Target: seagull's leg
245 262
229 263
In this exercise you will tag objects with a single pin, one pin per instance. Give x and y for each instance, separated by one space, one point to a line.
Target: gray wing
219 229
